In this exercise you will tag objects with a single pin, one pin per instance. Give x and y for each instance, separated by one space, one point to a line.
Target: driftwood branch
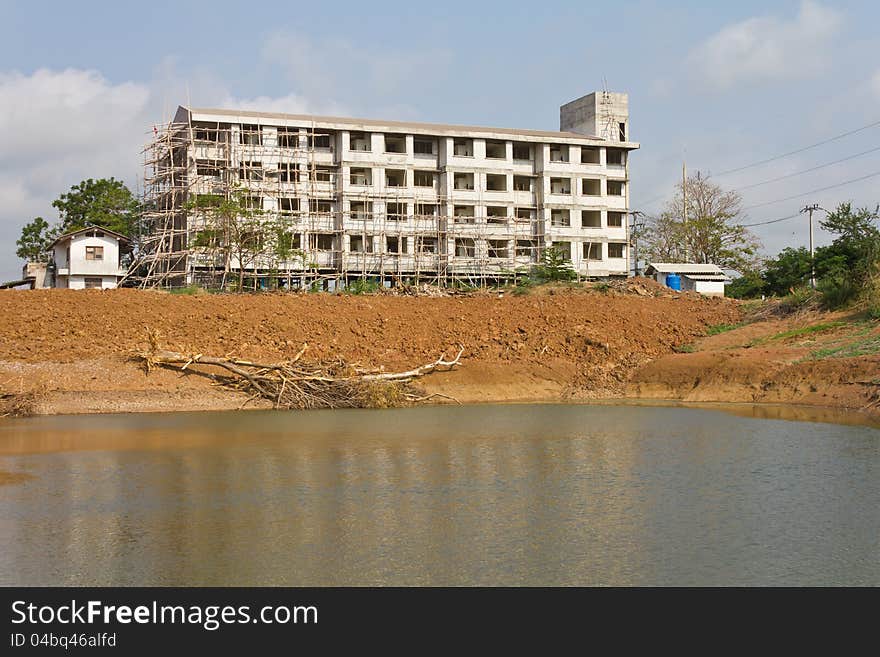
300 384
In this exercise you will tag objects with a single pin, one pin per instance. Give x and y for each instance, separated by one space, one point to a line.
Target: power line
815 168
814 191
799 150
772 221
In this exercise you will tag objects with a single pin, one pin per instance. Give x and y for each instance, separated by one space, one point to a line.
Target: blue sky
723 86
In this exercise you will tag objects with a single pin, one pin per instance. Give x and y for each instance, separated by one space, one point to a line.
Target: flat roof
376 125
684 268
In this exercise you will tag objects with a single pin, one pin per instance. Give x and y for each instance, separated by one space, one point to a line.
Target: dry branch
300 384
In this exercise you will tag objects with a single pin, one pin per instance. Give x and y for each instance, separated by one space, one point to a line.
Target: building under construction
256 199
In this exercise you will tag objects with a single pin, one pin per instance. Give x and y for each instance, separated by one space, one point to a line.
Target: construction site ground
71 351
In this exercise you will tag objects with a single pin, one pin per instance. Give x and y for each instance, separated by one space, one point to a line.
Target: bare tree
711 232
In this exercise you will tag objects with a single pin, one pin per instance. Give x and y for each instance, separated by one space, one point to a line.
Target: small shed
706 279
88 258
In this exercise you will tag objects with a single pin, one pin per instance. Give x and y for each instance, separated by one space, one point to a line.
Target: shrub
837 291
362 286
798 298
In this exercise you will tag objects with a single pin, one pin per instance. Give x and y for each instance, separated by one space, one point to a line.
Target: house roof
112 233
707 277
684 268
377 125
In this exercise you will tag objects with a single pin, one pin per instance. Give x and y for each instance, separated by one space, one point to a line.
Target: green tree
857 245
790 269
234 229
554 266
105 202
708 232
748 286
33 245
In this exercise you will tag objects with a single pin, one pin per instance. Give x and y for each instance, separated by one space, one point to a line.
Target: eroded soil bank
64 351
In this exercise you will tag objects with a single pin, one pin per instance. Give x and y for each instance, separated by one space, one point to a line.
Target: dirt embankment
70 351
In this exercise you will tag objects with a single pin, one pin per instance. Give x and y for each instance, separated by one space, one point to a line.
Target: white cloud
60 127
767 48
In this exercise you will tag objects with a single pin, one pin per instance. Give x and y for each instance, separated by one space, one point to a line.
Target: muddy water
521 494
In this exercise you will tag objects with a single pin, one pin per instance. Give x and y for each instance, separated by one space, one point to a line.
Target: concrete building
87 258
387 200
706 279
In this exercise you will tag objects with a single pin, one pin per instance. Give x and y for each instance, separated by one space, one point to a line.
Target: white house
695 277
88 258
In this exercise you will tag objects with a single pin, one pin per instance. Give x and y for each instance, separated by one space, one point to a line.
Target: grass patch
684 349
805 330
852 349
723 328
188 290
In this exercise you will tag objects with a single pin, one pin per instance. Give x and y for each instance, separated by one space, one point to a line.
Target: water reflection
515 494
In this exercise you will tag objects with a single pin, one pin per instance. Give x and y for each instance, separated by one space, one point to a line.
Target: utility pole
810 209
684 204
635 232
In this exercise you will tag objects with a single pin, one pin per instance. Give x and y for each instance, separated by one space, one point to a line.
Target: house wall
709 288
72 268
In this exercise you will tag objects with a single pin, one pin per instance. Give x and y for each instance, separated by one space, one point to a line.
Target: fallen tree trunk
302 385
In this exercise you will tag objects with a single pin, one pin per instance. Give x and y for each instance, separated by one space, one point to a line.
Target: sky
720 86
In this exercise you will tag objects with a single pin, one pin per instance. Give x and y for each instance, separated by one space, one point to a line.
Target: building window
395 144
94 282
423 146
591 219
288 172
591 187
318 141
616 249
395 244
361 177
361 210
463 181
615 188
395 211
615 219
214 133
320 207
524 214
496 182
525 248
425 210
592 250
522 184
496 150
463 214
360 141
395 178
322 174
589 155
209 168
95 253
560 217
423 178
463 147
560 185
426 244
564 249
252 171
558 153
361 244
465 247
321 241
621 131
522 152
615 157
496 214
288 137
250 135
498 248
288 205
